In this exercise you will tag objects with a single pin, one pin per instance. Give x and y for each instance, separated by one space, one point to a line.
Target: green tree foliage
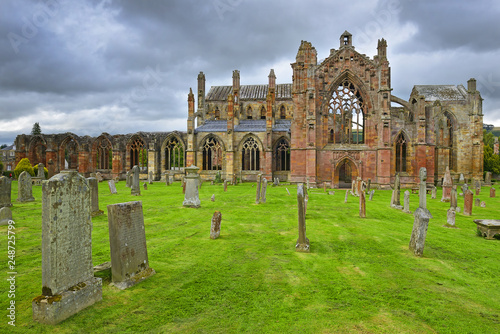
491 160
143 158
1 167
23 165
45 170
36 130
3 146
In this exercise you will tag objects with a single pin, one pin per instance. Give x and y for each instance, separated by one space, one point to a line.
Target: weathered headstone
450 217
395 198
99 177
482 204
331 193
215 227
263 191
353 187
25 188
135 184
150 177
167 179
5 191
406 206
346 195
477 202
127 244
68 278
488 228
465 187
257 197
191 198
447 185
112 187
458 209
468 200
225 185
478 191
5 215
422 216
434 192
487 179
492 192
302 244
41 171
362 200
371 194
145 186
461 179
212 198
128 180
453 197
94 197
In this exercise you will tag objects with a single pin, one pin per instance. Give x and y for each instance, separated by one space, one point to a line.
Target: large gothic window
250 155
138 154
282 155
401 149
212 154
346 115
104 153
174 154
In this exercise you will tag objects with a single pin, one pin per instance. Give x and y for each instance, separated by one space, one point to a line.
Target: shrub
45 170
23 165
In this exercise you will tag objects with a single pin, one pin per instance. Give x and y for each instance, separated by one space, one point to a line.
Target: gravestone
128 184
5 215
465 187
353 186
422 216
461 179
25 188
167 179
263 191
362 200
406 207
287 191
41 171
453 197
447 185
331 193
450 217
468 199
191 198
482 204
68 278
434 192
94 197
5 191
395 198
302 244
478 191
212 198
477 202
127 244
112 187
276 182
183 186
135 184
458 209
145 186
257 197
488 228
225 185
116 179
150 177
369 185
487 179
98 177
492 192
215 227
371 194
346 195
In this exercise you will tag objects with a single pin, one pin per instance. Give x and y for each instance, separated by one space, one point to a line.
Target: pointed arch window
216 113
401 153
104 153
449 141
249 112
250 155
174 154
282 155
212 154
138 154
346 115
263 113
282 112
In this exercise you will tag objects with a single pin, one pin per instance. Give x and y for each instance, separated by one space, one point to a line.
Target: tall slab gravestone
447 185
302 244
259 182
487 179
41 171
5 216
5 191
468 201
406 206
454 198
492 192
112 187
396 194
25 188
135 184
191 197
422 216
128 180
263 191
215 226
94 196
68 282
362 200
127 243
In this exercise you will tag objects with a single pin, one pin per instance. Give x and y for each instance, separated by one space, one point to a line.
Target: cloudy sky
94 66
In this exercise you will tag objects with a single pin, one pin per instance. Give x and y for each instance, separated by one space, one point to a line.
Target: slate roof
246 125
249 92
441 92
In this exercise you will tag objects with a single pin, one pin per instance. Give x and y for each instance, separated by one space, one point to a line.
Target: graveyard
358 276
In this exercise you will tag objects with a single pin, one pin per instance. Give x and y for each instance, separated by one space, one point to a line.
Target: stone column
191 198
422 216
302 244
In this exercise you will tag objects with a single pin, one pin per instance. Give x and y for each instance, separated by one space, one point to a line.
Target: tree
3 146
491 160
36 129
23 165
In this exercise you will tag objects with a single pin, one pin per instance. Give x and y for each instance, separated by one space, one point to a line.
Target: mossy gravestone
25 188
94 196
135 184
127 243
302 244
191 197
5 191
68 282
422 216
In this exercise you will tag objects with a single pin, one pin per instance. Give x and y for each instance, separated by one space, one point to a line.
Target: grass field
360 276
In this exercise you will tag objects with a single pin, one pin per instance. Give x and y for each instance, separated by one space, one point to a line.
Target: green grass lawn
360 276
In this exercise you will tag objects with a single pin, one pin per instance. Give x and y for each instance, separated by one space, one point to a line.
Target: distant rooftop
441 92
249 92
246 125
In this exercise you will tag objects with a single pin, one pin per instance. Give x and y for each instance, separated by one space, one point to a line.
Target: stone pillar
263 191
468 199
127 244
68 278
94 197
25 188
422 216
191 198
5 191
302 244
215 227
396 194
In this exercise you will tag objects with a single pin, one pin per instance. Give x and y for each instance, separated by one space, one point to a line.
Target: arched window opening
138 154
212 154
346 116
449 142
250 155
282 155
70 148
174 154
104 154
216 113
282 112
401 149
331 135
262 113
249 112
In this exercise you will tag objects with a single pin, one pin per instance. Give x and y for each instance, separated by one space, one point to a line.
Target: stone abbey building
336 121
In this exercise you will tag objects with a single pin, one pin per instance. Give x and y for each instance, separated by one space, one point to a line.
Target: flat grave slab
488 227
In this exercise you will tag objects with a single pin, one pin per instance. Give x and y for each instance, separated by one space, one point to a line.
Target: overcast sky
94 66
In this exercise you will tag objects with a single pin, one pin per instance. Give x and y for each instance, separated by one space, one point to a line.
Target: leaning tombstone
447 185
135 184
263 191
257 196
287 191
5 191
492 192
25 188
371 194
215 227
302 244
127 244
487 179
128 179
94 197
422 216
191 198
406 207
453 197
41 171
112 187
468 200
362 200
68 282
5 215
